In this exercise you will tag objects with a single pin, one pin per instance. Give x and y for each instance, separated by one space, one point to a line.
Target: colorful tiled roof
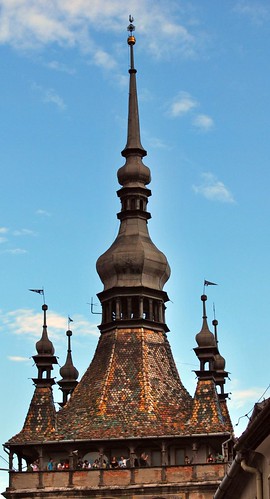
132 388
226 415
207 416
41 418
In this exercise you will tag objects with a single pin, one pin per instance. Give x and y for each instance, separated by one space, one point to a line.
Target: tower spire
133 145
133 270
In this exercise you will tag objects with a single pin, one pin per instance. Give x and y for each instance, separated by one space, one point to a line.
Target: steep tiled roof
226 415
40 421
131 388
207 415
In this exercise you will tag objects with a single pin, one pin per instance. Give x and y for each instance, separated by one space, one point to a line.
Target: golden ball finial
131 40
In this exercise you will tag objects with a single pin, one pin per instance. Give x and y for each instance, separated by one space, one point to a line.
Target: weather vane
131 26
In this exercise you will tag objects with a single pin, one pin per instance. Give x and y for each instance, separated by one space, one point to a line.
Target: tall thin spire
133 136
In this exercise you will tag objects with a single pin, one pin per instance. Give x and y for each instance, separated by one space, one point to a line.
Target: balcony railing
121 477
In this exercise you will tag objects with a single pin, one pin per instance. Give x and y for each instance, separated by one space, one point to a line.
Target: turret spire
45 357
207 348
69 373
219 367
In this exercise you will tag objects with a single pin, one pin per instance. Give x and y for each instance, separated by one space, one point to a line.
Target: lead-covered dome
133 259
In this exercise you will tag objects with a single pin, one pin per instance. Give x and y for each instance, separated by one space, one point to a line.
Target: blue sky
203 84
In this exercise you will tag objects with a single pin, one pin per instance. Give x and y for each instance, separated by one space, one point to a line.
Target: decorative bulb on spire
205 338
44 345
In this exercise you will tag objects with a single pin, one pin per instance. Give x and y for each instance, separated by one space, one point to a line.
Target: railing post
163 462
71 468
41 467
132 468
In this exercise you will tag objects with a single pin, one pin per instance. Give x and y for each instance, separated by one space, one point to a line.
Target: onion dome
44 346
219 362
68 371
205 338
133 260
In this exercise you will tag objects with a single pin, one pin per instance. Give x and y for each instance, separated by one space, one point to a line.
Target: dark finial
69 334
131 39
131 26
215 324
204 298
44 308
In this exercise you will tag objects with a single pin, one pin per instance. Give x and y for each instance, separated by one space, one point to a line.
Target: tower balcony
127 482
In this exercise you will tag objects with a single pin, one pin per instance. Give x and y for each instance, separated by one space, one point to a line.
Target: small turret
69 374
219 367
207 347
45 357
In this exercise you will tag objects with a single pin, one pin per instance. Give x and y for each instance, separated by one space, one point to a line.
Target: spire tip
131 39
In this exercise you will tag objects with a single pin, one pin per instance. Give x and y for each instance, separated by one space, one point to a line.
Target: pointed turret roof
209 409
39 423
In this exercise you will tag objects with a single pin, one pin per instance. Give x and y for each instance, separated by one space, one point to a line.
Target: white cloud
172 37
3 230
52 97
240 398
3 239
49 95
29 323
17 358
157 143
213 189
23 232
16 251
203 122
59 66
257 12
103 59
31 24
43 213
181 105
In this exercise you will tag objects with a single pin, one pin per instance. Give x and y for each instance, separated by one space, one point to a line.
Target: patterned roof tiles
207 416
40 420
131 388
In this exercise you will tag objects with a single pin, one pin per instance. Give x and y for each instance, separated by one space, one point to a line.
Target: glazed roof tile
207 415
40 420
131 388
